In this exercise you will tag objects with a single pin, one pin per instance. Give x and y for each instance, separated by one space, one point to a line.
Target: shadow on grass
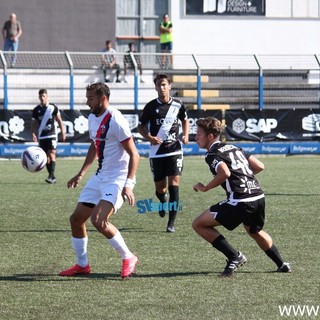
69 230
292 194
29 277
27 183
37 231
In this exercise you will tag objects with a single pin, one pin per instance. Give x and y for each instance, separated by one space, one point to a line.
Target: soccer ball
33 159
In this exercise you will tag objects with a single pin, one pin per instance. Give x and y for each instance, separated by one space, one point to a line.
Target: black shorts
230 215
166 166
48 144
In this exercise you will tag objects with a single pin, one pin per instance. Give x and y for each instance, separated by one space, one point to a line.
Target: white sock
117 243
80 249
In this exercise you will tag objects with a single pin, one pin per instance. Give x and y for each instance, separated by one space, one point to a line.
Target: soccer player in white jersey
112 145
159 124
234 170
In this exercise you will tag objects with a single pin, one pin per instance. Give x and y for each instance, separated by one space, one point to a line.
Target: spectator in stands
128 62
166 41
44 131
159 123
108 61
11 33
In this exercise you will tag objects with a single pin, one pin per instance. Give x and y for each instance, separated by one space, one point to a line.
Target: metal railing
69 64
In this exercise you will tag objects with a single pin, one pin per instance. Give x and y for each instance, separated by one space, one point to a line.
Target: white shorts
108 190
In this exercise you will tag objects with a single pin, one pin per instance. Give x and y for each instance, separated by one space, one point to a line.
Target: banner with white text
225 7
272 125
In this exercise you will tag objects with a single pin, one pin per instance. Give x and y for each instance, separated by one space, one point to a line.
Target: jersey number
239 161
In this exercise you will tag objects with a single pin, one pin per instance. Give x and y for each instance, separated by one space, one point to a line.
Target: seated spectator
128 63
108 61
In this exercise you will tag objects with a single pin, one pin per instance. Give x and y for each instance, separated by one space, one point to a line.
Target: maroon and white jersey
108 131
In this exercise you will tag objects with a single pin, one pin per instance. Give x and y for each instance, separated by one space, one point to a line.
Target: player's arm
142 129
131 149
185 131
255 165
90 158
223 173
61 126
34 129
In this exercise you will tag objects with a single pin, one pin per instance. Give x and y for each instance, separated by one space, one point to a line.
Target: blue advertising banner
191 149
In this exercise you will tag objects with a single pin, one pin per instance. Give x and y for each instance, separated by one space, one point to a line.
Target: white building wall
250 35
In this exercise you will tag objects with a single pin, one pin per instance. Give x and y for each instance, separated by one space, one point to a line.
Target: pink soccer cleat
75 270
128 266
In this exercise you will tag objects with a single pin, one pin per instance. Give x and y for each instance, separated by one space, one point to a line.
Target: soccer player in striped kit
112 145
235 170
159 123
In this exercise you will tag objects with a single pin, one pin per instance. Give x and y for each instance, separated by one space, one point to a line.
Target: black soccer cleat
51 180
170 229
162 213
285 268
233 265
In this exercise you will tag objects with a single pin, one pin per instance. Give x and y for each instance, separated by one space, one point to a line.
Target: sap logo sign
261 125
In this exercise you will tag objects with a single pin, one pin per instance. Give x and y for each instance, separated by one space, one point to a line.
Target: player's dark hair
100 88
210 125
162 76
43 91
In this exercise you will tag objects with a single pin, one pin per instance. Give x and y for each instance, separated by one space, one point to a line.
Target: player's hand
128 195
185 139
74 182
199 187
155 140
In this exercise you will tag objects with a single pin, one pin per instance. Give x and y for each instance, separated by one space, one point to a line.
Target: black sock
173 203
274 255
225 247
162 198
52 168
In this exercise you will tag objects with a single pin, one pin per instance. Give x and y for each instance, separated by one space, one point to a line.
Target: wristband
130 183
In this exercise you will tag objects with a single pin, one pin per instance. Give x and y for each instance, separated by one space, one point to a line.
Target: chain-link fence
200 81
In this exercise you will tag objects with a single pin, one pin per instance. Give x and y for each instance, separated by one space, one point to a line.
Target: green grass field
177 277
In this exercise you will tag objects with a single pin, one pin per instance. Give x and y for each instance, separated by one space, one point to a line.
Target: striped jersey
47 114
108 131
163 120
241 186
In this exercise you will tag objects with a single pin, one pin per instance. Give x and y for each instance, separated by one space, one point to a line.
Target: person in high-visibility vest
166 41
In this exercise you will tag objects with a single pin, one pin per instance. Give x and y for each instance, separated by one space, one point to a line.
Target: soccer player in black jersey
44 131
159 123
234 170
